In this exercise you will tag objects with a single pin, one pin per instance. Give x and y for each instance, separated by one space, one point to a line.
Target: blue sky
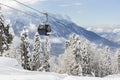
83 12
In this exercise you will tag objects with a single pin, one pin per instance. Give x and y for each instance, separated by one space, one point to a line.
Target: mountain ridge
61 28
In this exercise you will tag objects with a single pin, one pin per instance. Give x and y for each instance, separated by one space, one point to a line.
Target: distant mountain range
110 32
61 29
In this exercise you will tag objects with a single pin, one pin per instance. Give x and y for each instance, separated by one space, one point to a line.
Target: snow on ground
114 76
11 70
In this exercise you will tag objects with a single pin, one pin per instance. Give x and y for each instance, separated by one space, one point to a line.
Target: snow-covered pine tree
7 40
105 63
37 53
53 64
90 59
5 36
76 57
63 59
68 61
86 68
117 61
9 36
24 50
46 56
11 52
1 35
93 63
108 57
94 60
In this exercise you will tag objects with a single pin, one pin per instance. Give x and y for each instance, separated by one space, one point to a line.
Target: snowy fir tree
84 55
85 60
11 52
116 65
37 53
67 61
46 55
24 50
8 34
108 59
94 60
115 62
104 63
81 58
53 64
1 35
5 36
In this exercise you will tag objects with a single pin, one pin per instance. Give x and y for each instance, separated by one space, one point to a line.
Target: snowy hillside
61 29
11 70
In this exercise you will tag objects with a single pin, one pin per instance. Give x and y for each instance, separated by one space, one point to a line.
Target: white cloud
14 4
32 1
99 30
71 4
104 28
95 29
116 30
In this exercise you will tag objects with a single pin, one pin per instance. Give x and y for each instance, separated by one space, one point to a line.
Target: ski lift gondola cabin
44 29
